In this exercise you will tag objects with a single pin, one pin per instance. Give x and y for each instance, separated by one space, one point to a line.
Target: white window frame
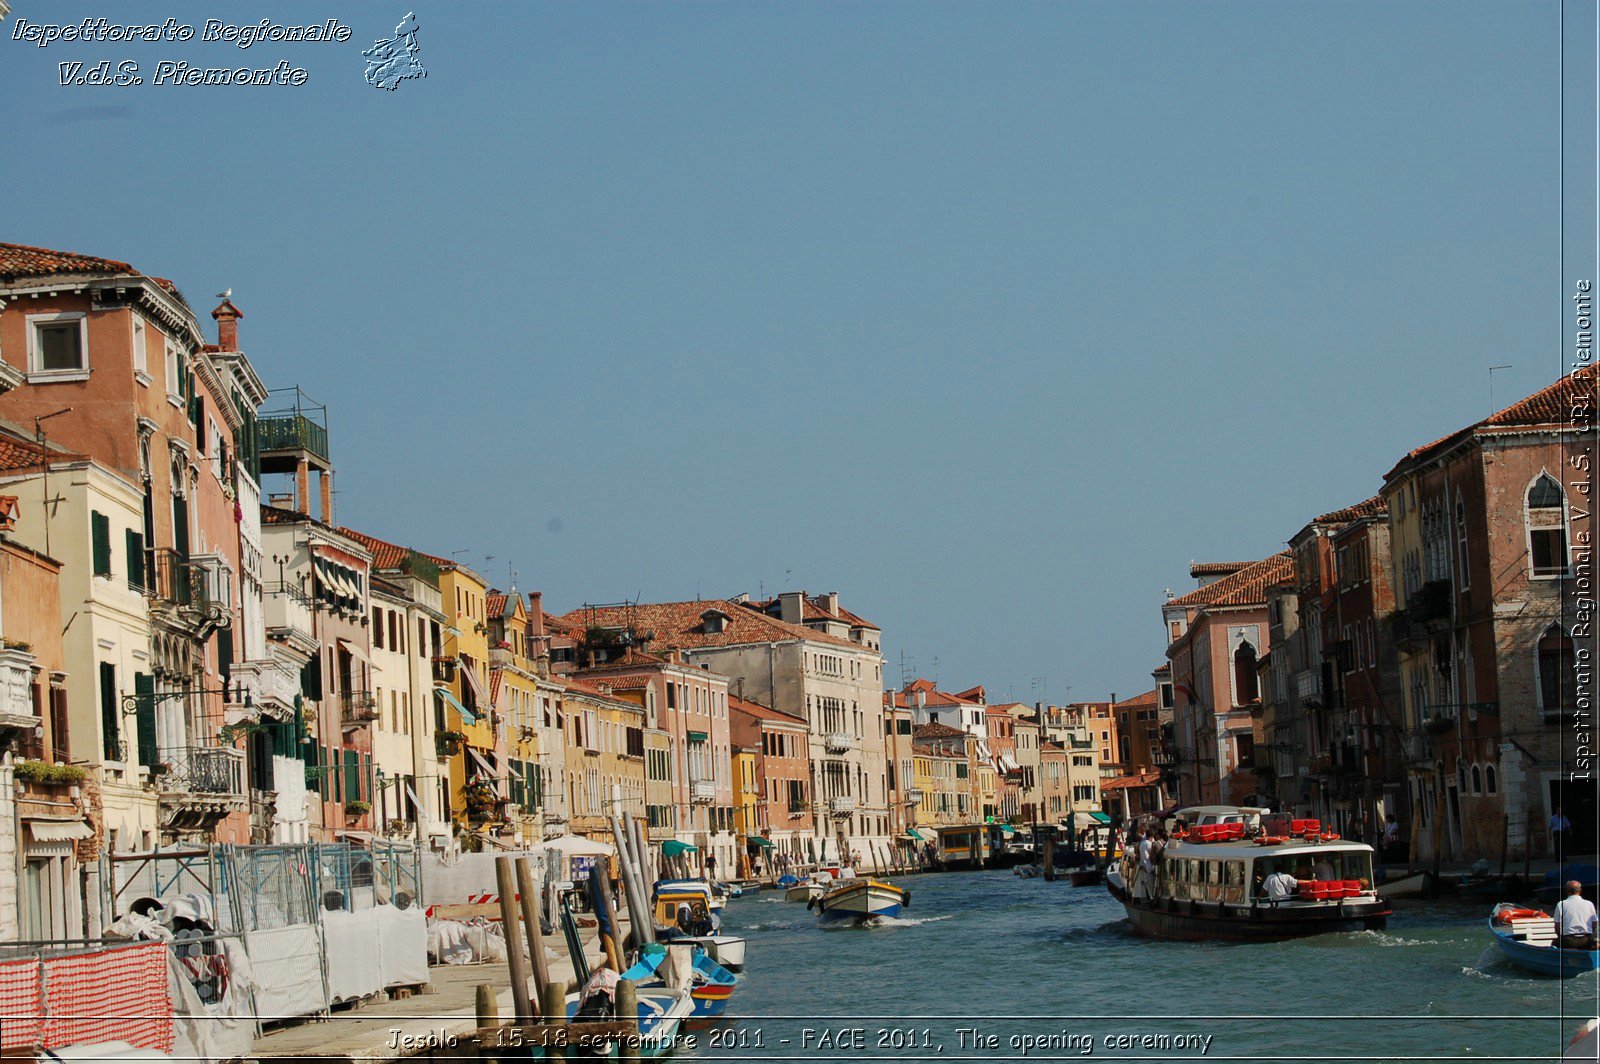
141 349
37 374
1566 528
172 356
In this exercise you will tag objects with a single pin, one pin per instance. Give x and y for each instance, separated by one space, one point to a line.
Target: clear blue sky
989 317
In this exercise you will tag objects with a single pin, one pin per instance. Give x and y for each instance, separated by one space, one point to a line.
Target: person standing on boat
1391 837
1147 867
1559 826
1575 919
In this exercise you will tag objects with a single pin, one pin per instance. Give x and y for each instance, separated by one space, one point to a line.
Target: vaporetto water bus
1212 882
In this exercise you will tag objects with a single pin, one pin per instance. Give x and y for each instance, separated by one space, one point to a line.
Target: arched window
1477 780
1547 527
1245 684
1556 681
1490 784
1461 545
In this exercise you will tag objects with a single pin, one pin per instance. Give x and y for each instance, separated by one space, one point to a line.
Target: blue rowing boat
1527 937
712 984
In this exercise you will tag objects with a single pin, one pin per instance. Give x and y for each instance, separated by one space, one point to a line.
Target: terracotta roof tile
756 709
24 260
1146 699
1552 405
681 625
495 604
936 731
1373 507
1199 569
385 555
1247 587
580 686
1137 779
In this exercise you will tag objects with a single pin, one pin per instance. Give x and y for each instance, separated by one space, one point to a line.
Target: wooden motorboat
1086 877
861 899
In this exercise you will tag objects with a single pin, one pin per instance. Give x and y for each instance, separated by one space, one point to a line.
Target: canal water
1048 971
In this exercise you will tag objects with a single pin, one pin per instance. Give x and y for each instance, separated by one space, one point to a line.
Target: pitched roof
24 260
1551 405
1136 779
1199 569
936 731
581 686
757 710
385 555
1247 587
1373 507
679 625
1146 699
494 604
17 455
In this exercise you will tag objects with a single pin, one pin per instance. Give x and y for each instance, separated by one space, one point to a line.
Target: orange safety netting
114 995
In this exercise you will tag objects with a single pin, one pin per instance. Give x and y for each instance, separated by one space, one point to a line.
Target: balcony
200 589
199 785
17 715
838 742
1080 744
444 669
914 795
1431 602
703 792
291 432
287 611
266 683
1307 687
357 708
841 806
1419 749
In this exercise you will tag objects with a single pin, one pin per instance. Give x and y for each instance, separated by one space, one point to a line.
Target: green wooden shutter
135 546
352 776
110 724
225 655
144 686
100 528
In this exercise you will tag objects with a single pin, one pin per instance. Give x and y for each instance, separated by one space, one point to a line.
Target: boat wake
888 921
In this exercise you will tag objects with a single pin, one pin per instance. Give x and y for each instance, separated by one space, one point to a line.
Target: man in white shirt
1575 919
1280 886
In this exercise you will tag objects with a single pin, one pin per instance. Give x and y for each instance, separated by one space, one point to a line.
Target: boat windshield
1321 864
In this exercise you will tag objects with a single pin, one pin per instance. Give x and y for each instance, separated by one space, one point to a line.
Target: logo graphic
393 61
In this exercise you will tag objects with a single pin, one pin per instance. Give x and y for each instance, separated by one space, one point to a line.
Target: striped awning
58 830
466 714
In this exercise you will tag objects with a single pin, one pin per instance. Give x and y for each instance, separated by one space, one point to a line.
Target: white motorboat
862 899
726 950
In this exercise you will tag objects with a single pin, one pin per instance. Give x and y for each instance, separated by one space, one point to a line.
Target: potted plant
449 743
46 774
357 808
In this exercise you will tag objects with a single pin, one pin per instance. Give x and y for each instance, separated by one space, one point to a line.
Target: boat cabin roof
1246 850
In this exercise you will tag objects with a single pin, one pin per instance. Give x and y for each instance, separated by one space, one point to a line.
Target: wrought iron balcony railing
841 805
357 707
291 432
202 770
200 584
703 792
837 742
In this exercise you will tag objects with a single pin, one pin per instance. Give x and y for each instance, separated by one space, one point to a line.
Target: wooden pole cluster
516 960
1050 856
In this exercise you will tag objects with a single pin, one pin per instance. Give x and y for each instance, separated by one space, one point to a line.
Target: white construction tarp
373 949
403 946
223 1030
288 969
578 846
354 958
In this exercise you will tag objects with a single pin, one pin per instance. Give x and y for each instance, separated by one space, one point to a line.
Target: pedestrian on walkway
1559 827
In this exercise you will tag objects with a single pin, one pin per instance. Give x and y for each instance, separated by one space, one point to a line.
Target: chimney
227 316
831 601
536 613
791 606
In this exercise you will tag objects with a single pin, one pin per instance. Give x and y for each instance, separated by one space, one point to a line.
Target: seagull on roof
226 293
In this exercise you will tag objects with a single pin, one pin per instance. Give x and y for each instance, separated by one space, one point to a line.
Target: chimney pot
227 317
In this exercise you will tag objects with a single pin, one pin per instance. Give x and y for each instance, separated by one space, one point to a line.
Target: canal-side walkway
383 1030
